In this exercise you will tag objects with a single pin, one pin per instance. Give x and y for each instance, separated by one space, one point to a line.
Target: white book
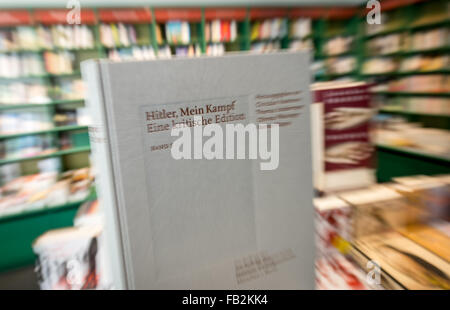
203 224
233 30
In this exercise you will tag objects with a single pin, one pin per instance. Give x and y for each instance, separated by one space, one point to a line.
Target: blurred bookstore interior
380 121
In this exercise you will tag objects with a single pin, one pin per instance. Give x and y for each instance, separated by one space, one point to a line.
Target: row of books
340 65
398 132
189 51
12 122
29 146
59 62
38 92
68 88
338 45
415 63
300 28
400 42
221 31
44 37
40 118
19 65
265 47
425 63
44 189
387 44
69 117
275 28
433 83
194 50
165 52
147 52
135 52
35 145
25 65
178 32
118 35
123 35
215 49
397 20
24 92
438 106
430 39
300 44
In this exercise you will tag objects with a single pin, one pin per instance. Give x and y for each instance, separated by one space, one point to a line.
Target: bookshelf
409 22
413 31
15 106
55 129
396 161
57 153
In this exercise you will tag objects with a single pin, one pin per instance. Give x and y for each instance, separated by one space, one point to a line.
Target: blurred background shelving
407 58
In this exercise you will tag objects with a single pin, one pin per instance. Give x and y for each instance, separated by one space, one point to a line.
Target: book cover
430 238
204 223
343 151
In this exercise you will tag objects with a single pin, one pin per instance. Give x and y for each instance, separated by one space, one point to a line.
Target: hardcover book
342 148
206 222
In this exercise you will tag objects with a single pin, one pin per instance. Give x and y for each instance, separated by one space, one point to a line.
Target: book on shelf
176 223
342 148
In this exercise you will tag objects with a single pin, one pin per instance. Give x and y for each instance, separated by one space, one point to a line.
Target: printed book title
224 126
222 114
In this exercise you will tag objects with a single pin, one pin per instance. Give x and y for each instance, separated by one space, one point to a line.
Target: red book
225 31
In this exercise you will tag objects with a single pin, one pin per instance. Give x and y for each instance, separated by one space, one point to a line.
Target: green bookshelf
74 150
408 20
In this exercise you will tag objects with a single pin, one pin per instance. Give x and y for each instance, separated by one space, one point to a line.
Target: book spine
98 135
